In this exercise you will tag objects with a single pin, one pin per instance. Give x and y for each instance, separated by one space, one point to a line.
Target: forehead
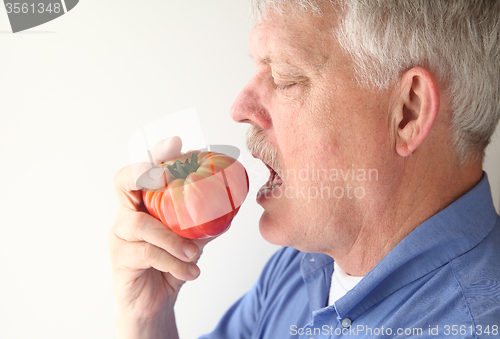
298 39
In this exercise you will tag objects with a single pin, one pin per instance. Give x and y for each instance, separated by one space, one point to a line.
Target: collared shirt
341 283
441 281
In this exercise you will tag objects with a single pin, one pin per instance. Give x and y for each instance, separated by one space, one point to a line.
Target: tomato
203 193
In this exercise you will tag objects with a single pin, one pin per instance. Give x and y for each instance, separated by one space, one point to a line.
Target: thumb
166 149
150 175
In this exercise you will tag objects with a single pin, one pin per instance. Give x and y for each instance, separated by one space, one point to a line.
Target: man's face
329 135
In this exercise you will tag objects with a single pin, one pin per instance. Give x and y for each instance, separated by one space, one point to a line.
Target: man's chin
274 231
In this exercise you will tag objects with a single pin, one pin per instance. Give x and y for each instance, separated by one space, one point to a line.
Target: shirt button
346 322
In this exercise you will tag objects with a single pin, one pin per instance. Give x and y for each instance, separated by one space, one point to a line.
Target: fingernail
167 141
190 250
155 173
174 143
194 270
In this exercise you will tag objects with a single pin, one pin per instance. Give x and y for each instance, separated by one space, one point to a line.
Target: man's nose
249 107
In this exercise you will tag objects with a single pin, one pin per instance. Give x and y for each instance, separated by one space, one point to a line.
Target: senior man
405 90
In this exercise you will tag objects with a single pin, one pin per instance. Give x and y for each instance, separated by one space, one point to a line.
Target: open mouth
275 180
273 183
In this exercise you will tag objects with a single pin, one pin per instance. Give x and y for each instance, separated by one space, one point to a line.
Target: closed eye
283 87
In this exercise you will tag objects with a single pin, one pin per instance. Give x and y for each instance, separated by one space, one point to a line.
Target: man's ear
417 109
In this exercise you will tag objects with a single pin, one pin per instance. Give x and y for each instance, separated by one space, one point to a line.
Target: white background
72 92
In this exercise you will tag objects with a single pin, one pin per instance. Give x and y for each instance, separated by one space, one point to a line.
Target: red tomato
203 193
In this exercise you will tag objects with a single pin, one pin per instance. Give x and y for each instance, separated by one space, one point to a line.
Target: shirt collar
317 269
445 236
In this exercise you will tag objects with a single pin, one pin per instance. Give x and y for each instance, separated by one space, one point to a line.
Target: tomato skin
204 203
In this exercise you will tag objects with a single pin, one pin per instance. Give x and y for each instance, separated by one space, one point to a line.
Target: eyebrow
288 67
266 60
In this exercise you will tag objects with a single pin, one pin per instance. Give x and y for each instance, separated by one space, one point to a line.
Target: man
387 107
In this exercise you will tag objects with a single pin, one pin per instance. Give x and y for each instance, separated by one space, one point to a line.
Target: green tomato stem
181 170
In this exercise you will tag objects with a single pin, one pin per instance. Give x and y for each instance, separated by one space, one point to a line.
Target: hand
150 263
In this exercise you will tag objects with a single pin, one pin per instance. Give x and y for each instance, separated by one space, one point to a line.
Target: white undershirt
341 284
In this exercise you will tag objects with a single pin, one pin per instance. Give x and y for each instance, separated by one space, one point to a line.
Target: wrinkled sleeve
239 322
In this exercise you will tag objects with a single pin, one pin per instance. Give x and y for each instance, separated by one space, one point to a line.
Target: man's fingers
134 227
142 255
126 190
147 176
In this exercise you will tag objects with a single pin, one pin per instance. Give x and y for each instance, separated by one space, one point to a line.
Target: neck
399 206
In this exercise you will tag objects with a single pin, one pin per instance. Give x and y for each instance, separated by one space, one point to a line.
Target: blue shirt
441 281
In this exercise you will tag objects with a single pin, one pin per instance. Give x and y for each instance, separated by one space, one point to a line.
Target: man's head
457 41
355 123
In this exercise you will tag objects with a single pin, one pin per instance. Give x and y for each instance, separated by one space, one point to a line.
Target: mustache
258 145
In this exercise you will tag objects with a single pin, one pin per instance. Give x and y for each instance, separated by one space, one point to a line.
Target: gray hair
457 41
